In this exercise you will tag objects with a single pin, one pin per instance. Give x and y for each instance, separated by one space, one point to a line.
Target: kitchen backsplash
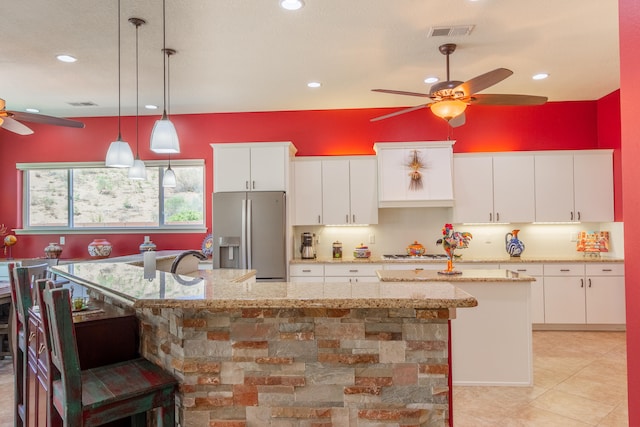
399 227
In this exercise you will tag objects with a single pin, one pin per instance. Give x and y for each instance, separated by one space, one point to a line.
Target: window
85 196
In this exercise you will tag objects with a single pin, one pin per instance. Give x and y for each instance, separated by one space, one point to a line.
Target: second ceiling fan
450 98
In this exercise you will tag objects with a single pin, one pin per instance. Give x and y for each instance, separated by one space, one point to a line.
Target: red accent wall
553 126
629 11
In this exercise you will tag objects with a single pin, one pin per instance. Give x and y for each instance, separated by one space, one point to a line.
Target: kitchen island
296 354
492 344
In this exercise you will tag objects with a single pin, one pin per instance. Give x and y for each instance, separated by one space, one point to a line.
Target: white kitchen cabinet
306 273
590 294
394 174
251 166
349 191
493 188
416 266
574 186
307 192
537 287
352 272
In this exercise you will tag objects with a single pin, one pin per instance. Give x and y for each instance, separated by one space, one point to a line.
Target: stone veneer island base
291 354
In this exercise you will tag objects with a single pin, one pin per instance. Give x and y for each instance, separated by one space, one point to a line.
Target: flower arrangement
450 241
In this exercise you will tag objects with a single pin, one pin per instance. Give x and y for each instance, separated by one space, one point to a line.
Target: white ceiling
251 55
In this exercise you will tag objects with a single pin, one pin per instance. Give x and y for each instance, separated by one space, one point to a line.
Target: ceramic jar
513 245
416 249
52 251
100 248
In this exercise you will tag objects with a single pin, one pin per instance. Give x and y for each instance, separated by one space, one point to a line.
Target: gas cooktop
410 257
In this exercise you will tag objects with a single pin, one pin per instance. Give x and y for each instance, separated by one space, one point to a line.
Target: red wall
564 125
629 11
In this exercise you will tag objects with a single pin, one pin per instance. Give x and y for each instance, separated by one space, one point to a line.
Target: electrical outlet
372 238
62 240
573 237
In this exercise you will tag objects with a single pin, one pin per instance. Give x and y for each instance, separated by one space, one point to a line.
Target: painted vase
100 248
52 251
513 245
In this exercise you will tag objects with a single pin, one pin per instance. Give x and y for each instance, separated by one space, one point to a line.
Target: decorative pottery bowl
52 251
99 248
416 249
361 252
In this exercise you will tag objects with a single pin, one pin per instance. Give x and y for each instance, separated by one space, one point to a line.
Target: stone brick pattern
307 367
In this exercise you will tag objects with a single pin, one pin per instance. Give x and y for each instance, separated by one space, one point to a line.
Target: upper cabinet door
593 186
473 189
363 191
513 188
554 187
336 196
307 192
231 168
268 165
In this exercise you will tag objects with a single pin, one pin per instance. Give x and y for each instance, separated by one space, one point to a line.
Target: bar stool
100 395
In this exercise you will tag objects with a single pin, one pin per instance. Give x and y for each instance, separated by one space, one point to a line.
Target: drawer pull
41 349
521 269
32 335
306 271
353 271
419 268
607 269
565 270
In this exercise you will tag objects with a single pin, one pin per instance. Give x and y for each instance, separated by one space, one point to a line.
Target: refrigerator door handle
243 236
249 237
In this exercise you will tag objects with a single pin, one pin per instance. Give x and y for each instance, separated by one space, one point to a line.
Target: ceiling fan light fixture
119 154
449 108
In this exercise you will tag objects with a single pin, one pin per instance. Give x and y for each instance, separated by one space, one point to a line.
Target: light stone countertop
503 276
223 289
461 260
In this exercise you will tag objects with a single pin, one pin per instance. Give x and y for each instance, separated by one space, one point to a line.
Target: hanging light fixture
169 177
448 108
119 154
138 171
164 138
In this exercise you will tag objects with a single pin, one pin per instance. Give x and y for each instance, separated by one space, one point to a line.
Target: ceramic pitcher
513 245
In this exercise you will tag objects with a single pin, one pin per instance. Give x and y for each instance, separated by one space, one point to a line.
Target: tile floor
580 380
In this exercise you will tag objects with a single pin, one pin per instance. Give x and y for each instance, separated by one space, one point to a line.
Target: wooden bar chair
21 279
100 395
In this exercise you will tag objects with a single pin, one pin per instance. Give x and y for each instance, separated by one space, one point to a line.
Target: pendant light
169 177
138 171
164 138
119 154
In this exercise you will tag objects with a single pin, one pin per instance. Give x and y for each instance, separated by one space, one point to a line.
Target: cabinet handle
419 268
32 335
571 216
521 269
589 282
353 271
579 215
253 185
564 270
41 349
306 271
246 185
346 218
582 283
607 269
354 218
497 216
319 219
490 217
356 279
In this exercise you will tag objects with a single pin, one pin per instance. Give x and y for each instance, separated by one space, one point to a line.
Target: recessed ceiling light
31 110
540 76
151 107
314 84
291 4
430 80
66 58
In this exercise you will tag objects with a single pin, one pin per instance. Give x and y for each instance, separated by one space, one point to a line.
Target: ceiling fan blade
397 113
507 99
401 92
483 81
458 121
47 120
15 126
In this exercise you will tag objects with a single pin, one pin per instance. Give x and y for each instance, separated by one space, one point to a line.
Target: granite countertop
221 289
462 260
505 276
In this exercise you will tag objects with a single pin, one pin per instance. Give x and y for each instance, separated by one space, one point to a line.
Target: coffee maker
307 249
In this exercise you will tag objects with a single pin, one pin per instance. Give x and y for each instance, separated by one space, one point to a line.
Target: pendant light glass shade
138 170
169 178
119 154
164 138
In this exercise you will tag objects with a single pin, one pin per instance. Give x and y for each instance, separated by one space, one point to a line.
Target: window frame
161 228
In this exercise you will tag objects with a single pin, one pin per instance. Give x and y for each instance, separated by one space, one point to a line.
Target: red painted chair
100 395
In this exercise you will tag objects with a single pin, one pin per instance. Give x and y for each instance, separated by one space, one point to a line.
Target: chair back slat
64 352
22 289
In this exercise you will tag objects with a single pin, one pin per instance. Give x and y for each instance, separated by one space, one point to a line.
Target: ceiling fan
9 120
450 98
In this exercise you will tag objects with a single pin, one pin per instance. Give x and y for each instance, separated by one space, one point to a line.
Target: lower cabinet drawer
354 269
564 269
306 270
604 269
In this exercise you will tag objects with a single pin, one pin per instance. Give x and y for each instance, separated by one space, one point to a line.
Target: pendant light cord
137 98
164 49
119 90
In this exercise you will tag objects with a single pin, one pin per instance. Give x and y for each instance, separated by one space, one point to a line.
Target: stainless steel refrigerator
249 231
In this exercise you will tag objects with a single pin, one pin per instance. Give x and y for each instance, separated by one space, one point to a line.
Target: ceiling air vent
83 104
451 31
